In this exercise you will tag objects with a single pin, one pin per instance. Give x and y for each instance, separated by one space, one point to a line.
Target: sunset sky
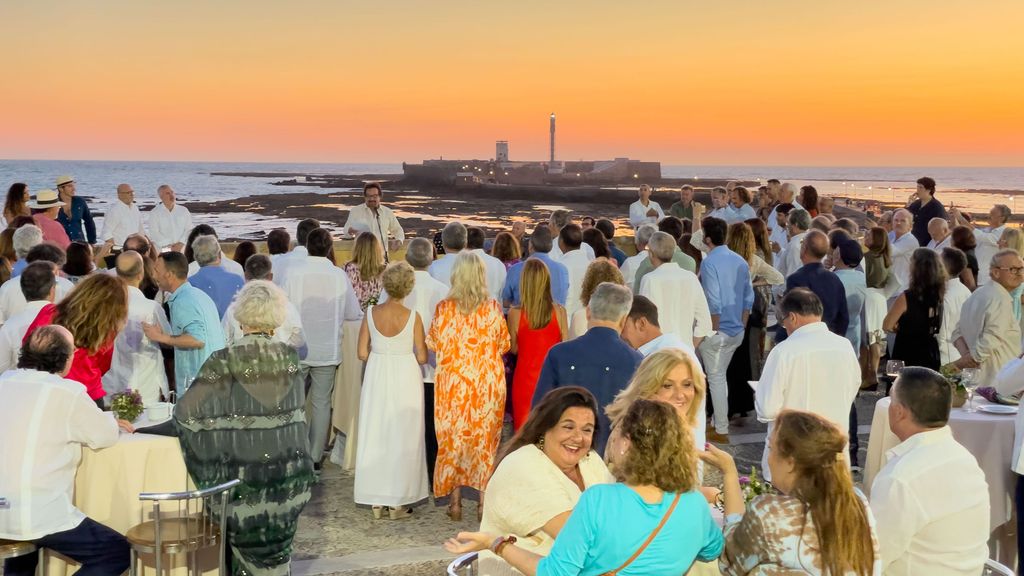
782 82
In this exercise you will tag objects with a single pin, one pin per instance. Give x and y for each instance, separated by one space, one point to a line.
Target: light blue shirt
725 277
219 284
559 280
745 212
19 267
856 293
610 523
195 314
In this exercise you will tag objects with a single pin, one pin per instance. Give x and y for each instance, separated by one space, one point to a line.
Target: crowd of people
602 364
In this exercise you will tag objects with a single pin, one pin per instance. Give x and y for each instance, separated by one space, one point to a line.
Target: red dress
533 347
85 368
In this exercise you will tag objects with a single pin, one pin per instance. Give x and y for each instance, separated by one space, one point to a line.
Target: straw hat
62 180
44 200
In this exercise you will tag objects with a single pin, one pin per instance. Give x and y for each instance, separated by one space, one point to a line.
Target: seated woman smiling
652 521
544 468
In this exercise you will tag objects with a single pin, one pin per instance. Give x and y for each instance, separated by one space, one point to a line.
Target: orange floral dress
469 393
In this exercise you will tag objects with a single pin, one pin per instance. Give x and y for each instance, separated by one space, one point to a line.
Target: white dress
391 465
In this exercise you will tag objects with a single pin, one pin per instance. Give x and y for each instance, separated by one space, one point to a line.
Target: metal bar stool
195 526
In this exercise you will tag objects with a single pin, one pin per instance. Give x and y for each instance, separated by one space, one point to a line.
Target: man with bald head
938 232
137 363
122 219
169 222
824 283
903 244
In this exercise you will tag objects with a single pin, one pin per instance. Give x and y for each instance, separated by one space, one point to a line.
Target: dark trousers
854 440
100 550
429 434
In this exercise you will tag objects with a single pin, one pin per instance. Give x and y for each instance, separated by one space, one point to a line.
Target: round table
989 437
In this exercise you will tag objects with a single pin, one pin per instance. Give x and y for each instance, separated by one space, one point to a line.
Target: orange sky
790 82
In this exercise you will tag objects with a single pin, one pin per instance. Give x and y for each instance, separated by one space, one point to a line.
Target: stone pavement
337 537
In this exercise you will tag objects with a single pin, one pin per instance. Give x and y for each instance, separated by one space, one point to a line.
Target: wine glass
893 368
969 377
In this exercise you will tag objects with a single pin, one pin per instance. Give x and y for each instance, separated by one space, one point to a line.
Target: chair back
464 565
993 568
192 520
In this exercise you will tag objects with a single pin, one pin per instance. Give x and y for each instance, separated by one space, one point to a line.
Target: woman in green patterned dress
244 418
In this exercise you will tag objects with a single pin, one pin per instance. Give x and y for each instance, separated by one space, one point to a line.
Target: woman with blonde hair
819 523
534 326
669 375
468 335
365 269
652 521
598 271
95 311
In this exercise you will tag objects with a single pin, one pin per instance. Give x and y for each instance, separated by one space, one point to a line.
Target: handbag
650 539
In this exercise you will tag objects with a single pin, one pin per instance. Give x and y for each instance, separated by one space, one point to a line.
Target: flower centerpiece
126 405
751 487
952 374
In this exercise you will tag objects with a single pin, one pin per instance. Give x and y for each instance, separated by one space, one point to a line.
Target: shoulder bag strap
650 538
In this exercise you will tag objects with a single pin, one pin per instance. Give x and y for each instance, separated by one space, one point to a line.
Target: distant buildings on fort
501 170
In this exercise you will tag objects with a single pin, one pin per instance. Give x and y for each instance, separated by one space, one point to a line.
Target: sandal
400 512
378 512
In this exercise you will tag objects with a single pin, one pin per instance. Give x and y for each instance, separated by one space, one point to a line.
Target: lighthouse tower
552 137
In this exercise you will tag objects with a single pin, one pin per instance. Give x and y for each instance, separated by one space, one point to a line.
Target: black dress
916 342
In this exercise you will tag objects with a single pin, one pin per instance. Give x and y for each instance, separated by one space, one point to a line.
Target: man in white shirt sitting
169 222
938 229
259 267
454 238
560 219
570 240
44 422
496 272
645 210
38 284
632 263
682 305
122 218
137 363
813 369
930 501
379 220
12 300
325 299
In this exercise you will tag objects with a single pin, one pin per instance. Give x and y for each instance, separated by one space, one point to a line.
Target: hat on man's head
850 253
62 180
44 200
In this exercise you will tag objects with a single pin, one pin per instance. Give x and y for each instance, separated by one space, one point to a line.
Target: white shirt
813 370
281 262
987 241
13 332
225 263
556 251
426 294
324 297
168 227
495 271
137 362
363 219
631 265
931 508
938 246
12 299
638 213
789 259
44 421
576 263
441 269
1013 372
682 307
953 302
902 249
990 330
121 221
290 332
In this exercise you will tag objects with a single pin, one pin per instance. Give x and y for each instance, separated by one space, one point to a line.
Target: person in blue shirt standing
600 360
725 277
196 330
541 243
219 284
823 282
75 212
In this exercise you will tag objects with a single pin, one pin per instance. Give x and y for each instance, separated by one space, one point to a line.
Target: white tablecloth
348 385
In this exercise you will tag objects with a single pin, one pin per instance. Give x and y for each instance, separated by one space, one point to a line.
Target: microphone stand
383 237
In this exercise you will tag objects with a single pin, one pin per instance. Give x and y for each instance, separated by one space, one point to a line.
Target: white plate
997 409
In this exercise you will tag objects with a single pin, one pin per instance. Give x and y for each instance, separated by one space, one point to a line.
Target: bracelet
500 542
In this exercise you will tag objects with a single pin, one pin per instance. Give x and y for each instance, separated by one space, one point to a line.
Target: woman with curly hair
652 521
365 269
598 271
95 311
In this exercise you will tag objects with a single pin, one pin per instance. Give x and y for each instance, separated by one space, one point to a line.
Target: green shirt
680 211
